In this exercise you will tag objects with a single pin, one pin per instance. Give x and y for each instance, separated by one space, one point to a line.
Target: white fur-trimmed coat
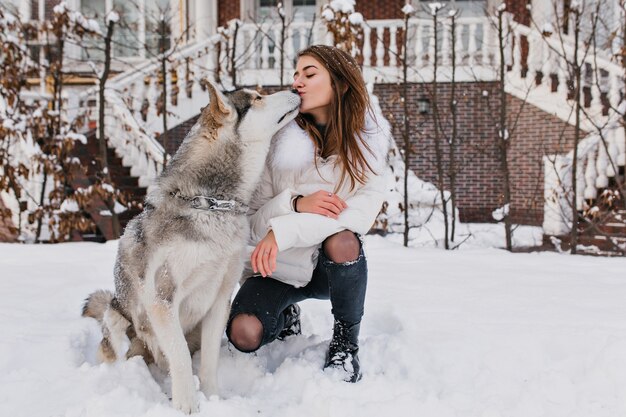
290 171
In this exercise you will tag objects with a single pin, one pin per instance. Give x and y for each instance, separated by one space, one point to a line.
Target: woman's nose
296 83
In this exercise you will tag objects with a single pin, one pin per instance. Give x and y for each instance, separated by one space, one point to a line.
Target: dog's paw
185 402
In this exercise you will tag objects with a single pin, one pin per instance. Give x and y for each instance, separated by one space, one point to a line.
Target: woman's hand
263 257
322 202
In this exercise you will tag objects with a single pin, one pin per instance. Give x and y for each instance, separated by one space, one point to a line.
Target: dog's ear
217 101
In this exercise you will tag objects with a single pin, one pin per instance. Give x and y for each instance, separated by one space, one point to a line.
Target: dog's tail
97 303
115 343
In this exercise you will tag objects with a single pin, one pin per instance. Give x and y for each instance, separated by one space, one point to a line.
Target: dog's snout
294 90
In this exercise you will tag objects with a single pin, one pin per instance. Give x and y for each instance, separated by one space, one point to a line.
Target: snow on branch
344 24
407 9
435 6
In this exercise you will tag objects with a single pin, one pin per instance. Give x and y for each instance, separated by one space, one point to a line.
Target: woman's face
313 83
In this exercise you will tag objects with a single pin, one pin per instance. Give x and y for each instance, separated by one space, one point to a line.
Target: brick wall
176 135
519 10
478 186
539 134
49 5
380 9
34 9
227 10
479 183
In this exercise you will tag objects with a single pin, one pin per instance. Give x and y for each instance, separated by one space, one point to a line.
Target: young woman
320 192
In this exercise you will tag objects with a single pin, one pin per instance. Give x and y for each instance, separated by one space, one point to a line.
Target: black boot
292 322
343 350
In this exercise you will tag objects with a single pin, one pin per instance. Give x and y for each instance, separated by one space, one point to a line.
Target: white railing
602 78
139 151
380 50
599 158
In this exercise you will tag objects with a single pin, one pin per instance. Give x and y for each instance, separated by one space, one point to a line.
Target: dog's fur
177 266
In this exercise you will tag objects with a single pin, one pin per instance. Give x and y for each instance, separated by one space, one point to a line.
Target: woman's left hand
263 258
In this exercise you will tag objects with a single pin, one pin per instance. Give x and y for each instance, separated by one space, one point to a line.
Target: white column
142 28
72 50
419 40
205 19
367 46
25 11
613 153
591 174
380 49
557 184
472 44
176 18
289 49
393 47
542 12
247 9
265 50
446 56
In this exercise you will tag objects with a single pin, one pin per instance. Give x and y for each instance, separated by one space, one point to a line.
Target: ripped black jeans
266 298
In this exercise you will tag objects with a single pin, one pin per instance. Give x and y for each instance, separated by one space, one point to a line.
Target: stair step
134 190
93 237
609 228
128 215
121 181
602 242
120 176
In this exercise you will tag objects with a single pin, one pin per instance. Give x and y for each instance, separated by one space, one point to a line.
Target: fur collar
292 149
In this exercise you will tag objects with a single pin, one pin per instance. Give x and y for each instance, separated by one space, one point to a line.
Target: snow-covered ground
473 332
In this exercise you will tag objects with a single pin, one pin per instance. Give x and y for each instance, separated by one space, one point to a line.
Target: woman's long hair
346 121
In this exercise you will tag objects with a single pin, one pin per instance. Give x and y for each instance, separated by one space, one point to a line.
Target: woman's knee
246 332
342 247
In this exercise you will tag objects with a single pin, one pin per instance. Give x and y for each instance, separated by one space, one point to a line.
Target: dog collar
201 202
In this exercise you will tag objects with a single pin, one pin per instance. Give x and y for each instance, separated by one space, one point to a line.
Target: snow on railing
380 49
599 159
602 79
139 151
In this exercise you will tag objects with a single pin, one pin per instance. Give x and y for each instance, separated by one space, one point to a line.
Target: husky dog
179 260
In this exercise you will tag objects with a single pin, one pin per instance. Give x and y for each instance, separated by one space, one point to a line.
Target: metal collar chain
201 202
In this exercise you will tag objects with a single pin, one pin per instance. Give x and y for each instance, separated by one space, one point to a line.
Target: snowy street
474 332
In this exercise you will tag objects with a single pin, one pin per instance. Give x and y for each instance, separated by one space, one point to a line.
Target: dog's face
255 117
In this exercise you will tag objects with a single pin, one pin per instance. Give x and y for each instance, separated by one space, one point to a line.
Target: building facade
541 125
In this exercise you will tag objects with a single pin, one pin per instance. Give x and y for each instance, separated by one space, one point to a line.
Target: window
265 9
299 9
474 8
158 19
126 42
304 9
139 30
